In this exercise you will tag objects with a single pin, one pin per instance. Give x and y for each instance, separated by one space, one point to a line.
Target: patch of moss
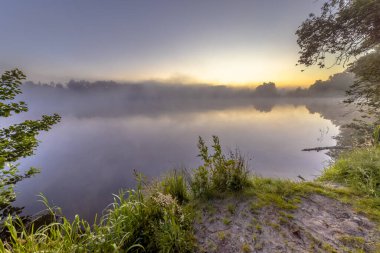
210 209
355 242
245 248
259 246
231 208
221 235
226 221
328 248
259 228
275 226
286 194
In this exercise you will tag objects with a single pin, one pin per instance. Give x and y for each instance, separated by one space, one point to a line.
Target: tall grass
176 185
219 173
135 222
358 169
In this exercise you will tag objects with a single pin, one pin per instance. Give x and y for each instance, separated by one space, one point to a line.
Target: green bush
219 173
200 183
358 169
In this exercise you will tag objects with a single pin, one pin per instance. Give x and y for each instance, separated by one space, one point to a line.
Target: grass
210 209
159 217
353 241
221 235
231 208
226 221
245 248
219 173
259 228
358 169
135 222
175 184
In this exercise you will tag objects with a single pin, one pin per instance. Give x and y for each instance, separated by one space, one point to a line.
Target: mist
109 129
112 99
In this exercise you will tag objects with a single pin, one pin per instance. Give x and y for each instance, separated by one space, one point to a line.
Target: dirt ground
319 224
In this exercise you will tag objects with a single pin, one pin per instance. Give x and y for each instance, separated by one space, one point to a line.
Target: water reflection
86 158
108 130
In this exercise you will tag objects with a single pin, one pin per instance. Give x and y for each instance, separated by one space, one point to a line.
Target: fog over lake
105 134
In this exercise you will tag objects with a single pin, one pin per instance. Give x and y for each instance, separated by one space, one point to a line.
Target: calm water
87 157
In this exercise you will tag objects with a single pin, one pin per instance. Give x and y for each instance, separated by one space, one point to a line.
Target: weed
259 228
259 245
221 235
286 215
254 221
358 169
355 242
135 222
210 209
231 208
275 226
219 173
175 184
283 221
328 248
226 221
245 248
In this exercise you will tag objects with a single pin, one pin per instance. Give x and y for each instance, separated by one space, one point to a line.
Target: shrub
200 184
219 173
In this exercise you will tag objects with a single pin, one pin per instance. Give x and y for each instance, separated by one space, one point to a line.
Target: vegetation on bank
18 140
358 169
158 217
137 221
154 218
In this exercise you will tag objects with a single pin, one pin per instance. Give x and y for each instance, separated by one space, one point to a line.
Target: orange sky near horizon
235 74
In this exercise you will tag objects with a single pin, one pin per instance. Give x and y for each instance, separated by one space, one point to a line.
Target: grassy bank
159 217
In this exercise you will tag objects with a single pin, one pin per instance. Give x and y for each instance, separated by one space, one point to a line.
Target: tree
365 92
347 29
16 141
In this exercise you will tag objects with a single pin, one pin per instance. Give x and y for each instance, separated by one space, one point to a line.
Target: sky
231 42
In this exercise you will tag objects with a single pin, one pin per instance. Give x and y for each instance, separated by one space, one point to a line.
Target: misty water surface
91 154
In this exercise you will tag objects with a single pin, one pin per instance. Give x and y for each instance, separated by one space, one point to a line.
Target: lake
88 156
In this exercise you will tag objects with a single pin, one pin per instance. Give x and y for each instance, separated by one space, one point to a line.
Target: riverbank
281 216
221 208
338 212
